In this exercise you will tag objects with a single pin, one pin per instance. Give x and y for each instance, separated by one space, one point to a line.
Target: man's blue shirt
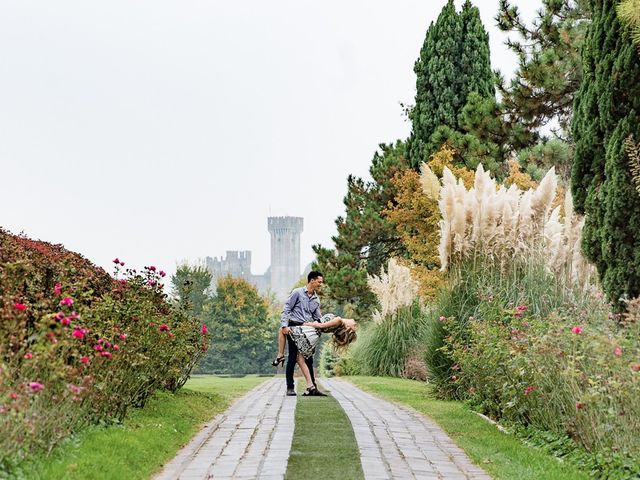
300 308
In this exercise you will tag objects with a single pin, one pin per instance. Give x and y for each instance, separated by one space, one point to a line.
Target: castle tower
285 253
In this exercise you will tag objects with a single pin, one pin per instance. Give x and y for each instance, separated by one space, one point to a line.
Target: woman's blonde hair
343 336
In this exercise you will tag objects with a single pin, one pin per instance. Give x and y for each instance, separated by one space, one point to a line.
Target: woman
307 337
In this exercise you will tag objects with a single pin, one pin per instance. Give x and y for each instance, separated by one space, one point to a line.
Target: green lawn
501 455
324 446
147 439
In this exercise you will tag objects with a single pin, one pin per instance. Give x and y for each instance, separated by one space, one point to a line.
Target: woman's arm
334 322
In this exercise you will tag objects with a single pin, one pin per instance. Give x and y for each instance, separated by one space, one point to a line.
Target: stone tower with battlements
285 253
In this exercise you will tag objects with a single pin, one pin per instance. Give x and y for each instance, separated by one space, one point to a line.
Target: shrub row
78 346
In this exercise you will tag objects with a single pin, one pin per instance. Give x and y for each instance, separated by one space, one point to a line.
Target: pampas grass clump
393 289
507 225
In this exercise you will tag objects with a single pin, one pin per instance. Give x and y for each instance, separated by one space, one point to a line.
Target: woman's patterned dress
307 338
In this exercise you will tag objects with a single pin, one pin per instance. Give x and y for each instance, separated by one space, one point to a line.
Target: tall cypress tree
438 81
454 61
475 58
606 111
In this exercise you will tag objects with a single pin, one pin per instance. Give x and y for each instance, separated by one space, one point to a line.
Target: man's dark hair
313 274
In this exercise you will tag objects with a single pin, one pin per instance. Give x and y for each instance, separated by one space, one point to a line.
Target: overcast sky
157 131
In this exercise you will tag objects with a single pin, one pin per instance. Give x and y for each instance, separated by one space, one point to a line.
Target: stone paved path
399 443
252 439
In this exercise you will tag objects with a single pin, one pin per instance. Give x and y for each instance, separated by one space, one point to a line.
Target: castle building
284 271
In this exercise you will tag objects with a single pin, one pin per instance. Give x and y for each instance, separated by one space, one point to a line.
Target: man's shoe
317 393
291 392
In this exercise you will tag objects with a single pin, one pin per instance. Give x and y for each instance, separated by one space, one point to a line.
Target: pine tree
454 61
629 12
366 239
607 111
550 68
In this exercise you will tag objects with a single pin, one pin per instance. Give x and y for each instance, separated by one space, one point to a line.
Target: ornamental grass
507 226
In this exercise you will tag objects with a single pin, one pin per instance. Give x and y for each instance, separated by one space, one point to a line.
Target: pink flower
105 354
66 321
57 289
171 335
635 367
580 405
617 351
122 336
36 386
85 360
162 273
442 318
116 260
76 390
528 390
152 268
203 329
151 283
28 355
20 306
122 264
59 316
66 301
577 329
518 313
98 348
78 333
13 395
123 282
164 327
116 347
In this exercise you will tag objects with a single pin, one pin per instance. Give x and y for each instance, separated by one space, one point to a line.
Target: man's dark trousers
291 363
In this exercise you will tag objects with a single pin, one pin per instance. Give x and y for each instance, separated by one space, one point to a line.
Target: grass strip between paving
324 446
502 456
147 439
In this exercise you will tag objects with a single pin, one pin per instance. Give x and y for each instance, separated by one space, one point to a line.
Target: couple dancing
301 325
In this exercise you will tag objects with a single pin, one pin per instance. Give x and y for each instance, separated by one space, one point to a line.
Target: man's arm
288 307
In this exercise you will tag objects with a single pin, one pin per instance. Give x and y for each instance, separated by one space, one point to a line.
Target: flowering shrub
548 373
78 346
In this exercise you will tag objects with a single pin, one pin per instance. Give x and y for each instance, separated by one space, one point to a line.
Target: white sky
156 130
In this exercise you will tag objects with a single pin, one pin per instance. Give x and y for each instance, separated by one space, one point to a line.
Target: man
303 305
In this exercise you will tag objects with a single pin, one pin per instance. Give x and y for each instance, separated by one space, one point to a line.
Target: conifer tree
607 111
454 61
475 58
550 67
366 239
437 81
629 12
